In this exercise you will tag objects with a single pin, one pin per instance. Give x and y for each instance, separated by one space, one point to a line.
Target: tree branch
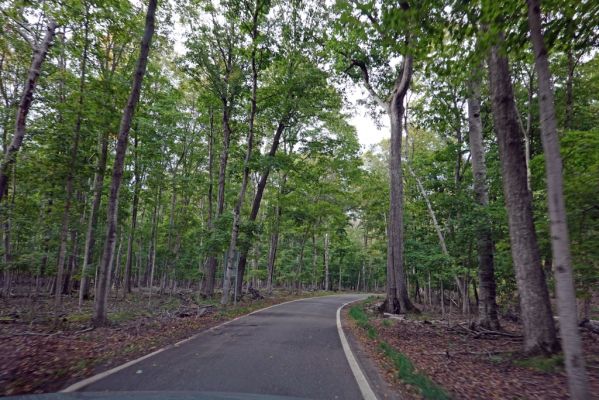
362 66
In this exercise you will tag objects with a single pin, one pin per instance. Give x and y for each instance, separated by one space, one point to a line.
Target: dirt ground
468 366
38 356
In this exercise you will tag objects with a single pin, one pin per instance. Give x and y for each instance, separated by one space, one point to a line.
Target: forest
207 147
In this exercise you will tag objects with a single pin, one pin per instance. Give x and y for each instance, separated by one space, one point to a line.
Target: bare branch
362 66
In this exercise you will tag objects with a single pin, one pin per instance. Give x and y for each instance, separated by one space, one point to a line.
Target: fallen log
590 325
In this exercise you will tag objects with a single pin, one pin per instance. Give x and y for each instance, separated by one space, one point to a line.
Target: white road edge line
367 392
92 379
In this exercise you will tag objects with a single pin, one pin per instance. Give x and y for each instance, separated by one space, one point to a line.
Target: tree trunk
153 240
272 258
99 317
222 175
326 262
569 90
132 228
258 200
560 242
207 286
72 168
539 330
246 167
314 261
39 55
487 305
395 229
90 236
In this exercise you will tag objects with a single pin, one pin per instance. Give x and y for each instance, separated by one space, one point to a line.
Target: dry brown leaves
479 368
42 360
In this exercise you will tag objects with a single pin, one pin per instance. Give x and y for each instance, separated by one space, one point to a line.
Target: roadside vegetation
428 356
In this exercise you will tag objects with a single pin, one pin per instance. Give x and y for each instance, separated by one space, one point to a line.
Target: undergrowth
406 371
543 364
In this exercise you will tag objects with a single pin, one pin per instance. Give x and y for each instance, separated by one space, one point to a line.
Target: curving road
292 349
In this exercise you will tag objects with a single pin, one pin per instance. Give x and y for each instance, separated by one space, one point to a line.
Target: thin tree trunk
153 240
314 261
207 287
222 174
487 305
326 262
272 258
569 90
90 236
39 55
539 330
100 317
246 163
560 241
258 200
132 228
72 167
242 191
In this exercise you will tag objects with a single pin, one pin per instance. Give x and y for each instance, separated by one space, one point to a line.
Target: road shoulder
365 357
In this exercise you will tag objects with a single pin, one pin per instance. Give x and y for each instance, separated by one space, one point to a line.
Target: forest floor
421 356
37 355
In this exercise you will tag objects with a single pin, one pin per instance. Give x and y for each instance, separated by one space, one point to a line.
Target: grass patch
408 374
544 364
358 314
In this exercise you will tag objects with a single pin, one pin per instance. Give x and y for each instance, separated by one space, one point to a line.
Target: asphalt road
289 350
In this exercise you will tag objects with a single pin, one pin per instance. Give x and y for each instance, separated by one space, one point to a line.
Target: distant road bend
291 349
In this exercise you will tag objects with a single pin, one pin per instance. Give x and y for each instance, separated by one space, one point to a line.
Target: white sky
368 132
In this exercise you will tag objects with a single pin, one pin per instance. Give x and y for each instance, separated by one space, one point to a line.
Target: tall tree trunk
272 258
258 201
212 263
246 163
153 240
327 284
90 236
487 305
569 89
39 55
314 261
99 317
395 229
72 167
133 227
539 330
208 280
560 241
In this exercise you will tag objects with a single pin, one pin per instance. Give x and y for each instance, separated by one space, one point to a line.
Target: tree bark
134 207
207 287
395 240
212 262
258 201
570 90
327 280
487 305
90 236
560 241
539 330
272 258
100 316
39 55
72 169
246 165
